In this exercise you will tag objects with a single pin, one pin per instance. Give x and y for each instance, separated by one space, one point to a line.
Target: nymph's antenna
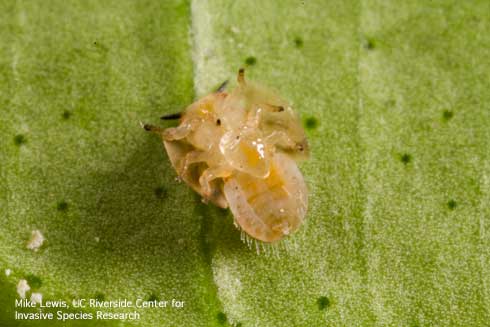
173 116
222 87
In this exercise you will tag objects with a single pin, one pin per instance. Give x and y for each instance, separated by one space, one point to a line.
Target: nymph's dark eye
280 108
218 122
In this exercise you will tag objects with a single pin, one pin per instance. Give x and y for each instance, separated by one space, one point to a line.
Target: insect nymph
239 150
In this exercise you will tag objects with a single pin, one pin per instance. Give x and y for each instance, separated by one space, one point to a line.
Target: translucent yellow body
239 150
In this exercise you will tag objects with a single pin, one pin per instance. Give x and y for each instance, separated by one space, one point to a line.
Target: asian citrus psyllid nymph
240 150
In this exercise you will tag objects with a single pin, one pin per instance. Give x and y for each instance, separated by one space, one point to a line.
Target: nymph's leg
255 114
191 158
282 139
222 87
212 173
181 131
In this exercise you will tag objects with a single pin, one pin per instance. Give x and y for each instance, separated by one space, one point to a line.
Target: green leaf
91 181
394 98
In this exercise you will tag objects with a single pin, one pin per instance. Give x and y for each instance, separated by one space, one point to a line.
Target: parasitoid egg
239 150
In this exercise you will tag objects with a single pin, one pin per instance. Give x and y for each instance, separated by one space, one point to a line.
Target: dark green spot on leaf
323 302
447 115
19 139
311 122
152 297
369 44
298 42
62 205
66 114
250 61
34 281
451 204
406 158
221 318
99 296
160 192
